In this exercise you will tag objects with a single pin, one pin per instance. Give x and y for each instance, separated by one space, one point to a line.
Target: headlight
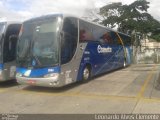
52 75
18 74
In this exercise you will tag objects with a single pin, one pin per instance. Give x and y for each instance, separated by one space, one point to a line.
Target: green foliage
133 17
156 37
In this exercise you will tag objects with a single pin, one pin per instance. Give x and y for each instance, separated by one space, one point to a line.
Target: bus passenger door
69 59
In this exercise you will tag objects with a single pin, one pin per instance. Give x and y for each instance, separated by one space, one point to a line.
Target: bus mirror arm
62 34
13 38
1 37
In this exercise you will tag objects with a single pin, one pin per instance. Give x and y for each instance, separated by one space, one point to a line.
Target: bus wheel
86 73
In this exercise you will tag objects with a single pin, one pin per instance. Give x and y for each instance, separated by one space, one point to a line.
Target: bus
57 50
8 40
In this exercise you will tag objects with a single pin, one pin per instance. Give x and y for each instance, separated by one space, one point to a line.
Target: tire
86 75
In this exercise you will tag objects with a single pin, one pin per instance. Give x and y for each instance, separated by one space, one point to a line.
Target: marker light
18 74
52 75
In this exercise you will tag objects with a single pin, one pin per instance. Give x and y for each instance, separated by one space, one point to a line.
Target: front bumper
44 82
4 76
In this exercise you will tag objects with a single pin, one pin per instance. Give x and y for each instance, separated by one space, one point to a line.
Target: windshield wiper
36 58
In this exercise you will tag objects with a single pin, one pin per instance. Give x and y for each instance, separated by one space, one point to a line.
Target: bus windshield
38 44
2 25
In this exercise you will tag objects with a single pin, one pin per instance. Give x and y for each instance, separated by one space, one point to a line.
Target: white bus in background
9 32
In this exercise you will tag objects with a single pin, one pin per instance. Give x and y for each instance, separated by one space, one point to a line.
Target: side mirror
62 34
13 38
1 37
12 41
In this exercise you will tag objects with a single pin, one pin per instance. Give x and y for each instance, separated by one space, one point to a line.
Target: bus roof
64 15
11 22
68 15
43 17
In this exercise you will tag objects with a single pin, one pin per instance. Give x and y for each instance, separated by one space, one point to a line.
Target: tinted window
116 39
69 39
126 39
2 29
92 32
2 26
38 44
107 38
10 42
86 31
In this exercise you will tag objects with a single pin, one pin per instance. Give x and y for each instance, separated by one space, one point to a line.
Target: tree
133 17
156 34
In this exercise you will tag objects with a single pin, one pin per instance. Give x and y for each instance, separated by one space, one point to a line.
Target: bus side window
117 40
106 38
126 40
69 39
85 31
11 42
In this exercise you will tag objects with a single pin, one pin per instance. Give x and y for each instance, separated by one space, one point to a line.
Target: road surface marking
3 90
144 86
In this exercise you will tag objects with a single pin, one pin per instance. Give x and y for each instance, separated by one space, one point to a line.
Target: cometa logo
103 50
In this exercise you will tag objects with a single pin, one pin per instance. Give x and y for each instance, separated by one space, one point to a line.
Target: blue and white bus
56 50
8 39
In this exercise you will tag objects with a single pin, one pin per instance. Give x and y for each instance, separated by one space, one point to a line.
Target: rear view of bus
8 40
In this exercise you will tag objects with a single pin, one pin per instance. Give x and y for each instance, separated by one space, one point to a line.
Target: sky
25 9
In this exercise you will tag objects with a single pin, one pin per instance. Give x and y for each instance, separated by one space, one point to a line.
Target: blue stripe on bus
101 62
39 72
1 66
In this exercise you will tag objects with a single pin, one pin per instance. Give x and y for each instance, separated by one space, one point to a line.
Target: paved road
134 89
